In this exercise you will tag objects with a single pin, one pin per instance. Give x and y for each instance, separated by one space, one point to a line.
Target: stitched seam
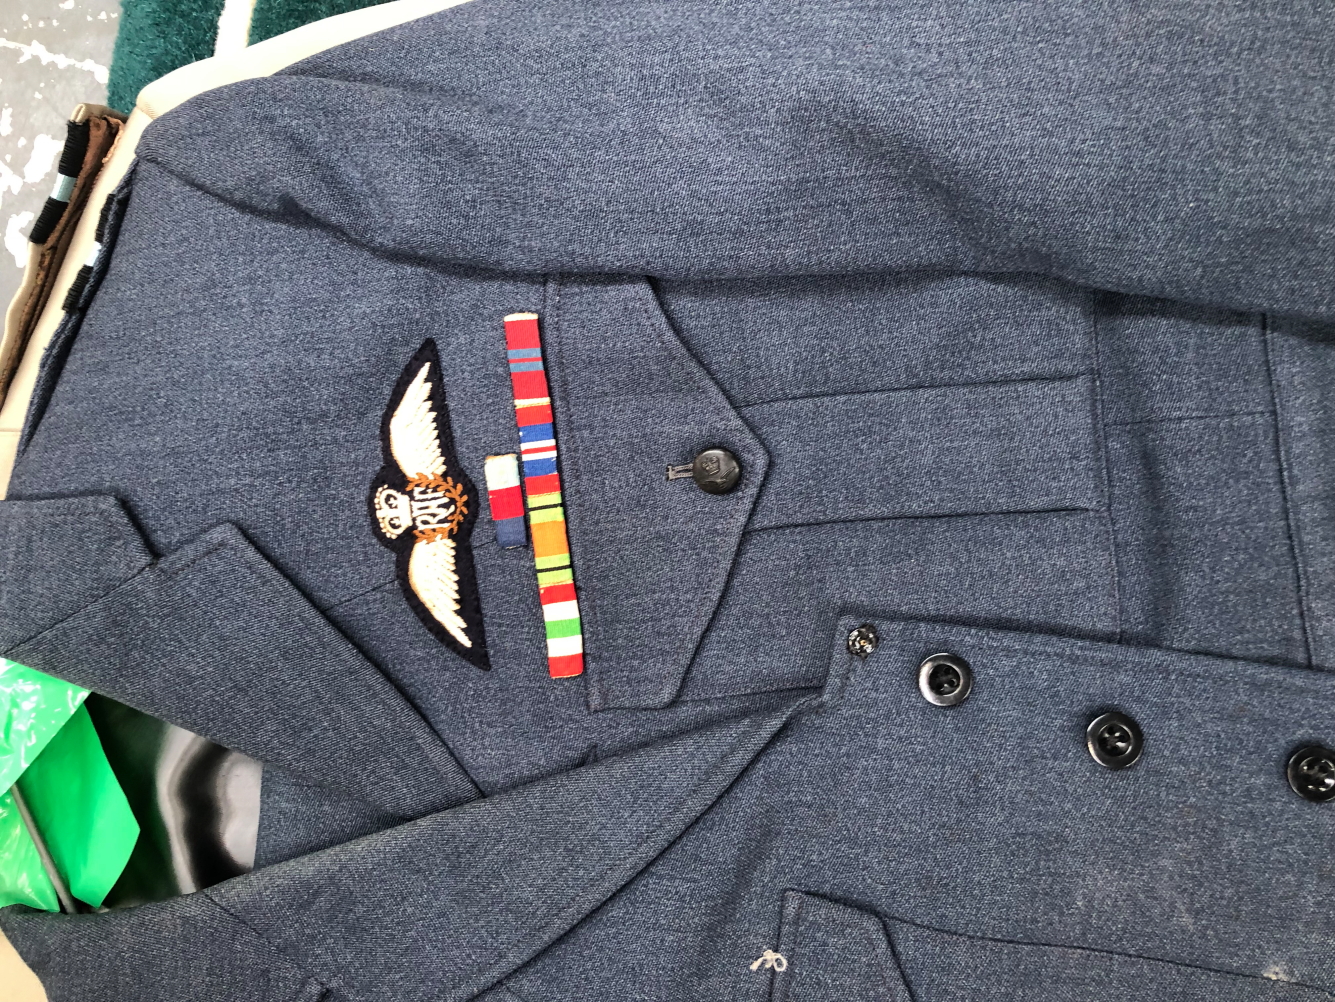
1110 953
1292 528
790 938
388 582
213 549
1112 661
1101 436
1177 419
889 982
899 962
902 518
815 688
917 388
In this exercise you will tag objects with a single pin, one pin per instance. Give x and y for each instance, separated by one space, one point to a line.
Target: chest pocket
651 557
833 952
977 500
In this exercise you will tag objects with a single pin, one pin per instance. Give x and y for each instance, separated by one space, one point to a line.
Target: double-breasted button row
1114 739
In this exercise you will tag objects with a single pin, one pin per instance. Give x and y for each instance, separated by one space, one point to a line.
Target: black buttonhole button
1311 773
1114 740
945 679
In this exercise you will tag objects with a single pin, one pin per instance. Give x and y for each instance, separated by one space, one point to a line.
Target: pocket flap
833 952
651 556
950 967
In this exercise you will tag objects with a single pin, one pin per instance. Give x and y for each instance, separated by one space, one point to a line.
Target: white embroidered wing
414 437
432 576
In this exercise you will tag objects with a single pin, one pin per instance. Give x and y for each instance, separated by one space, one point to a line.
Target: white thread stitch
770 959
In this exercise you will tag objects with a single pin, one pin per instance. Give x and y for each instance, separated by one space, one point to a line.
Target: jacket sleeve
1133 152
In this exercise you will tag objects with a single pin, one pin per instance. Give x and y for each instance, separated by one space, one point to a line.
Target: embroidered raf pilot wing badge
423 507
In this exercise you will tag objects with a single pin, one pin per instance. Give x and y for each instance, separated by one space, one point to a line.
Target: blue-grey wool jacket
1020 321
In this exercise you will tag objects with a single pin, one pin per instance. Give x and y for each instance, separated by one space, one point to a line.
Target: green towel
157 36
273 17
154 38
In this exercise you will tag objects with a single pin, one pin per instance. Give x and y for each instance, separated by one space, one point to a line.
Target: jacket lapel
214 639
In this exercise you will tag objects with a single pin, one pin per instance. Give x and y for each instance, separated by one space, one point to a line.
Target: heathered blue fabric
1177 149
1021 324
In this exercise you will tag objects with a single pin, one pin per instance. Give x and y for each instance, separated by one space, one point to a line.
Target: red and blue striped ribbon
542 489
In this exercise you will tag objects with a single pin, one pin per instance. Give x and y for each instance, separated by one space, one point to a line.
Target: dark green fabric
155 37
273 17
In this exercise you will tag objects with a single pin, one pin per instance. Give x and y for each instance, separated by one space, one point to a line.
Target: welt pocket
834 952
1021 446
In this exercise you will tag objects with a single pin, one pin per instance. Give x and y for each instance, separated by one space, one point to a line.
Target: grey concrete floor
54 54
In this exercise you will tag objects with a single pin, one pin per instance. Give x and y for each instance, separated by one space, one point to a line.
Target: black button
863 640
716 471
1114 740
1312 773
945 680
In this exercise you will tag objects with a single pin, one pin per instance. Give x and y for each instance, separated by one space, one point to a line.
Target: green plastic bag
33 707
81 810
50 749
23 880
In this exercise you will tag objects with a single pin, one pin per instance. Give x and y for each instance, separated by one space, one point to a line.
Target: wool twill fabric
1022 327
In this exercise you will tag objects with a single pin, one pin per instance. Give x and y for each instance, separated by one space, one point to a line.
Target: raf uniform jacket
1001 671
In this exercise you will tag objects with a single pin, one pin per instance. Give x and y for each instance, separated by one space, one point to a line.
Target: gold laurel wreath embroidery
454 492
